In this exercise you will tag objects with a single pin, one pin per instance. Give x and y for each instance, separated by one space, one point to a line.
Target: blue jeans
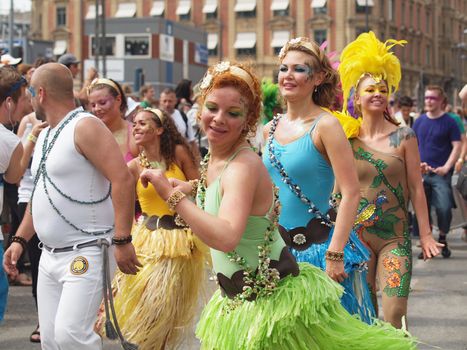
438 193
3 285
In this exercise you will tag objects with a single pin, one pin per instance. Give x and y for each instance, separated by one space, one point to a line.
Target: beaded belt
154 222
300 238
93 243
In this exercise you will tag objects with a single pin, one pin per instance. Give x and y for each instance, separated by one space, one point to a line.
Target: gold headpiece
297 43
223 67
103 81
157 112
366 55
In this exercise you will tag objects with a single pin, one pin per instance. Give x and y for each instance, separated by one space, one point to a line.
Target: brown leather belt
301 237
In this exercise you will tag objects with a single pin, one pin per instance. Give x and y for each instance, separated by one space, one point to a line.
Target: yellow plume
350 124
368 55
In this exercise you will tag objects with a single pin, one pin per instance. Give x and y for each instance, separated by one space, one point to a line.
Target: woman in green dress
266 300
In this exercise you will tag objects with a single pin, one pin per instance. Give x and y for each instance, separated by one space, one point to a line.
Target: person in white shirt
167 102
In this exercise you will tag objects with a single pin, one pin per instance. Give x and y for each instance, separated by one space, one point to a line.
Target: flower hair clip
226 67
298 42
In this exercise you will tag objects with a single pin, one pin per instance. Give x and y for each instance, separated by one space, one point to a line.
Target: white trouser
68 301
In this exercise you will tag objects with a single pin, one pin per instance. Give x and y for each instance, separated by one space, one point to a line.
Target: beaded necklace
263 280
145 163
325 219
42 173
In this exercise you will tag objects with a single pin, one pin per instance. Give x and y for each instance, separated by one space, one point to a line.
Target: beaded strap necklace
147 164
260 281
325 219
42 173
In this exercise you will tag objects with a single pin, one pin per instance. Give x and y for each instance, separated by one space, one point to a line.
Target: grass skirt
157 305
356 298
304 312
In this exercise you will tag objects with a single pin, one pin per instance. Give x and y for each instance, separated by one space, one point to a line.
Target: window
109 46
419 27
391 9
320 35
279 39
213 42
411 18
245 8
382 4
61 17
280 8
427 22
245 44
364 6
319 7
403 13
184 10
210 9
126 10
136 46
157 9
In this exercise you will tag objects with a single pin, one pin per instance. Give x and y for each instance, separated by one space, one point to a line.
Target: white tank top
77 178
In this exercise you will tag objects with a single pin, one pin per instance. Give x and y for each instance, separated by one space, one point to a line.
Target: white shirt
76 177
8 144
188 134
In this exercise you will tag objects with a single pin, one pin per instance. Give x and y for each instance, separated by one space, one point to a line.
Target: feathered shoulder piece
368 55
350 124
270 97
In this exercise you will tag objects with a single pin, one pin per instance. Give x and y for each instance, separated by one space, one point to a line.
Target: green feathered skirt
304 312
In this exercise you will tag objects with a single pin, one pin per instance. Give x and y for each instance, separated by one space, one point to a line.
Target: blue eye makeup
297 68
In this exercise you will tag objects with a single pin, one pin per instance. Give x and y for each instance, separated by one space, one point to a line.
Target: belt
154 222
302 237
94 243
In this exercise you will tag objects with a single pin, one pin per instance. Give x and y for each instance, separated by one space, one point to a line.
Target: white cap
8 60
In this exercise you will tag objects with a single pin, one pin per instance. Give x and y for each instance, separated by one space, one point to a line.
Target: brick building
255 30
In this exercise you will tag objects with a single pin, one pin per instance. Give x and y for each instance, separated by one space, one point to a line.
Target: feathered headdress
368 55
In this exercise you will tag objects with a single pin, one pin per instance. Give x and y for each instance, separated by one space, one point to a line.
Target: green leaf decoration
390 292
401 251
376 181
383 234
404 288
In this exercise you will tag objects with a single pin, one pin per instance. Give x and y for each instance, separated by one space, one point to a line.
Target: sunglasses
16 86
31 90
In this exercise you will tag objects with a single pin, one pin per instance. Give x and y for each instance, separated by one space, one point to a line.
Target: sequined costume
382 223
301 311
308 169
157 305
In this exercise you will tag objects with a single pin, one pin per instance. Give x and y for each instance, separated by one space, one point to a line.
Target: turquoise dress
303 311
305 165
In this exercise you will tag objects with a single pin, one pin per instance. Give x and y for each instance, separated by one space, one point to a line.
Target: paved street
437 305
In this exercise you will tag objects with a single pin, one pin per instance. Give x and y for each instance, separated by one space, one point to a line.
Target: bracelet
175 198
333 255
194 188
122 241
32 138
19 240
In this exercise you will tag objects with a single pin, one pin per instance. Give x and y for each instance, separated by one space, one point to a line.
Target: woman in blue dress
306 153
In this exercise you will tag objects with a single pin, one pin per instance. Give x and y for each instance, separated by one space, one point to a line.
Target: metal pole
219 41
11 29
96 37
104 46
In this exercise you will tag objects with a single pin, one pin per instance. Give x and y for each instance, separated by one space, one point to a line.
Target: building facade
254 30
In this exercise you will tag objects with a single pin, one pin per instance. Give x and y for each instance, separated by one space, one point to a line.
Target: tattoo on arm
401 134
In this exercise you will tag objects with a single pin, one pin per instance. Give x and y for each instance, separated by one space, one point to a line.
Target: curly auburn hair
169 138
325 94
251 94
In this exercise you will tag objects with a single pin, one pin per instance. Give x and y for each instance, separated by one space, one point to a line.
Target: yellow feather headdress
368 55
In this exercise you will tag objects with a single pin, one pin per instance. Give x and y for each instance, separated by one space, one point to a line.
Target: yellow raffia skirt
156 306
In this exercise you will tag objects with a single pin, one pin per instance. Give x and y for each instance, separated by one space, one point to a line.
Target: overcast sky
20 5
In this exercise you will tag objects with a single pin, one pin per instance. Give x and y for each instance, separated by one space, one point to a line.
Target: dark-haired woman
107 101
158 304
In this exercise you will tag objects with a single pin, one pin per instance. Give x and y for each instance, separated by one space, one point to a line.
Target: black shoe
420 256
445 251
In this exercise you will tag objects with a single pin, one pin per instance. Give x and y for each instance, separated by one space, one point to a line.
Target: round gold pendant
79 265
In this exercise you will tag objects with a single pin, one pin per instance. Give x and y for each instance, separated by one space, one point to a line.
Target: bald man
84 195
